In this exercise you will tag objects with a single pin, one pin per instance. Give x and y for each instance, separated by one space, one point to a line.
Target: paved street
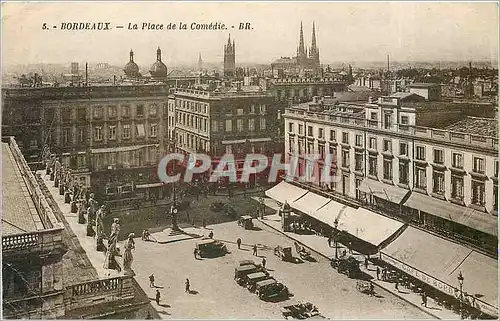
220 297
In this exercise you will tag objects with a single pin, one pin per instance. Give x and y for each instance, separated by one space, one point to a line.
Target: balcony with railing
421 132
45 241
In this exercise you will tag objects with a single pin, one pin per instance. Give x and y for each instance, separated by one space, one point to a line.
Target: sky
345 31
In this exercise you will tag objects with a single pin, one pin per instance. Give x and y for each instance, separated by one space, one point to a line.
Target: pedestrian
238 241
152 281
264 262
195 253
423 299
158 296
211 234
378 273
255 249
149 317
396 285
350 247
372 289
187 285
366 263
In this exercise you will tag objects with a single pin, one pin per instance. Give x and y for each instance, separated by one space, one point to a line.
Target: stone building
387 157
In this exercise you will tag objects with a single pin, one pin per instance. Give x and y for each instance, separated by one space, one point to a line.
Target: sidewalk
320 245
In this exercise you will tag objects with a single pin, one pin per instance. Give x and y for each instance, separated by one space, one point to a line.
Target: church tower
314 51
200 63
301 50
229 58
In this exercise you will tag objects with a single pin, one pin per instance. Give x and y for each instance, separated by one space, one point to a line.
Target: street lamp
336 224
461 283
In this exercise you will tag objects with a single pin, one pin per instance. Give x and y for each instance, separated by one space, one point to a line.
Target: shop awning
368 226
483 222
120 149
149 185
285 192
328 213
309 203
438 262
384 191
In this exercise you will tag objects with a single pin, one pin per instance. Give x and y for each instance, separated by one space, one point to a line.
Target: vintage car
211 248
300 311
246 262
347 265
246 222
240 273
270 289
253 278
284 253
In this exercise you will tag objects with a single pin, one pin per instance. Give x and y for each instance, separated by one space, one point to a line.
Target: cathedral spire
313 43
131 55
158 54
302 49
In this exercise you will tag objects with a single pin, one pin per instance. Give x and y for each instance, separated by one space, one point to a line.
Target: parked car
271 289
253 278
246 222
347 265
284 253
246 262
211 248
240 273
300 311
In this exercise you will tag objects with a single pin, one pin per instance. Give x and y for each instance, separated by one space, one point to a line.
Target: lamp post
461 283
335 236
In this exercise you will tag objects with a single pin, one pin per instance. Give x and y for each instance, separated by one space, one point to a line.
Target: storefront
438 263
379 194
285 192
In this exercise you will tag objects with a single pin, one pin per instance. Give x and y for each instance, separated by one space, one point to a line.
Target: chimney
86 74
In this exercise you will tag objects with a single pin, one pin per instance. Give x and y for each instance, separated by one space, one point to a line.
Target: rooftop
422 85
476 126
19 214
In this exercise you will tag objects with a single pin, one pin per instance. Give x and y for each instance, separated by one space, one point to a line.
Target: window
309 130
310 147
152 130
126 132
139 110
438 182
321 134
140 132
97 112
290 145
373 143
215 125
81 114
387 121
321 151
111 111
387 146
239 111
66 135
81 135
251 124
345 138
457 160
495 197
66 115
359 140
477 193
290 127
358 160
345 158
81 161
404 120
420 178
262 109
421 153
404 171
262 123
301 146
457 187
239 125
388 169
229 125
112 159
153 110
373 115
403 149
438 156
301 129
125 111
252 109
372 165
112 133
97 133
332 135
496 168
478 165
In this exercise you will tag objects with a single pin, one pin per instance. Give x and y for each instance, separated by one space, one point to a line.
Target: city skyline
346 32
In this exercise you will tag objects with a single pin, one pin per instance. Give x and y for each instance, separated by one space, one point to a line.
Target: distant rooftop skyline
346 32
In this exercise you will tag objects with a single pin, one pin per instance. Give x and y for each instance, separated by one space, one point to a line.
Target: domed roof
131 69
158 69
